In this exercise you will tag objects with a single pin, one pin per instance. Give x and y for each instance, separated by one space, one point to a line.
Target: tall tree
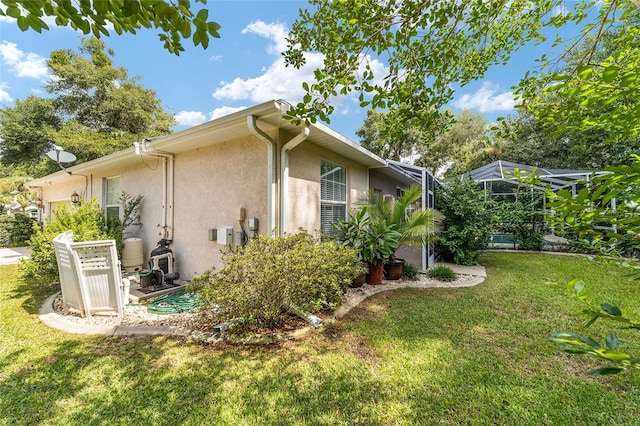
95 109
26 130
457 149
175 20
580 109
89 89
402 146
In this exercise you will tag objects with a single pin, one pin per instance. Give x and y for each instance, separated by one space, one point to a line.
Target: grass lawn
437 356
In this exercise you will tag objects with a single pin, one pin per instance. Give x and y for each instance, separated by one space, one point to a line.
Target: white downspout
284 176
167 185
170 194
272 193
425 198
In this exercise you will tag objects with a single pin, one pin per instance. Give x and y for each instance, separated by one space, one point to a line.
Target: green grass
437 356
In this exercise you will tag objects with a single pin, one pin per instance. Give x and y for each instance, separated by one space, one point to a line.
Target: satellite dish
59 155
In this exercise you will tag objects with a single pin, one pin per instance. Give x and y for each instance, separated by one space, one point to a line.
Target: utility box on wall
225 235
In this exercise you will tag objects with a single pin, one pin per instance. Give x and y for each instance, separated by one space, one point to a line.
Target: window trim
330 202
107 205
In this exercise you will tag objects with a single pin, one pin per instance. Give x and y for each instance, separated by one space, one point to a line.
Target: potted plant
414 224
374 242
351 234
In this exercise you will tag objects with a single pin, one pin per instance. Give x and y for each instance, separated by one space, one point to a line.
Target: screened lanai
499 182
498 179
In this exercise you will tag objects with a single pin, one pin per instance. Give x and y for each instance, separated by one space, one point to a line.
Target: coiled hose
175 303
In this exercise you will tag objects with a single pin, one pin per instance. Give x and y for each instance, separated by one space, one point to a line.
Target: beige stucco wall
54 196
303 201
211 185
383 183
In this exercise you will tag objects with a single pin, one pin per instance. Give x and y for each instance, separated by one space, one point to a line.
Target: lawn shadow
165 380
34 292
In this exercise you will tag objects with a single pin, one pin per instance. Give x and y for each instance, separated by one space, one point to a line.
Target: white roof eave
269 114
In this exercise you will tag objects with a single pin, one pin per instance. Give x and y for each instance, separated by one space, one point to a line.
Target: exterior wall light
75 199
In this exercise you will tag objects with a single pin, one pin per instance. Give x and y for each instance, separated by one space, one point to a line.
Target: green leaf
23 24
585 72
589 341
14 12
628 79
610 73
203 15
606 371
612 341
213 28
616 356
611 309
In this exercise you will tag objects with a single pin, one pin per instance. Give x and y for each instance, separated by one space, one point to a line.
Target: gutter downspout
272 191
167 185
284 176
427 243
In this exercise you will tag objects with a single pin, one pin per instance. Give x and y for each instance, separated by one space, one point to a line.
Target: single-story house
251 172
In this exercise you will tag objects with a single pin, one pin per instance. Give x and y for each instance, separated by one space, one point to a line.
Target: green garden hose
175 303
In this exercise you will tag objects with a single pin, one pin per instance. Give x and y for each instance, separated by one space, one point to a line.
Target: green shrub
410 271
467 222
523 218
15 229
88 223
258 281
441 273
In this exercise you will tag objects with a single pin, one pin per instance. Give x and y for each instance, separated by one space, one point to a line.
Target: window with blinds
112 197
333 196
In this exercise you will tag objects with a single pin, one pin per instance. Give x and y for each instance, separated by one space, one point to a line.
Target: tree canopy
579 110
429 47
89 89
176 20
95 109
464 146
374 137
598 86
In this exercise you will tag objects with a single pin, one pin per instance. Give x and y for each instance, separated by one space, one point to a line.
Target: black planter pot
359 280
393 269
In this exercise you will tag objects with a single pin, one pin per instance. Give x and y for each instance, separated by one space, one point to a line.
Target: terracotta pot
359 280
393 269
375 273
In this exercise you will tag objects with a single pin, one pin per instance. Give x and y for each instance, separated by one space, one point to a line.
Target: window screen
333 196
112 197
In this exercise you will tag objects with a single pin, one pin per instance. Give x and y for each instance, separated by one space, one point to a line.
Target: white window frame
109 203
332 198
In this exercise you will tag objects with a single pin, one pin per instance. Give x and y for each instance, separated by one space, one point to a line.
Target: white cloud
277 82
276 32
487 99
23 64
225 110
4 95
190 118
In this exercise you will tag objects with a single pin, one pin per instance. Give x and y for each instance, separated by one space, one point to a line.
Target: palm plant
414 224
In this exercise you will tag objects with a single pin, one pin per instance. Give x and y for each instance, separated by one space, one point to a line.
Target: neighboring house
253 164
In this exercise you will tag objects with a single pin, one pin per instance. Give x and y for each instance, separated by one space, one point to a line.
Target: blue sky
242 68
